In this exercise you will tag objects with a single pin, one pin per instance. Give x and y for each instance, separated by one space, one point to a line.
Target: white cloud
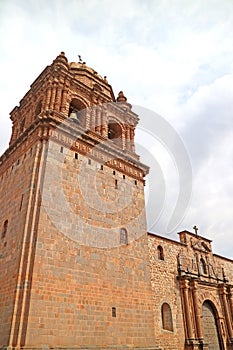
174 57
208 134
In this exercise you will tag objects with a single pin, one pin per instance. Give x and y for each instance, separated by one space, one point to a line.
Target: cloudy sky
174 58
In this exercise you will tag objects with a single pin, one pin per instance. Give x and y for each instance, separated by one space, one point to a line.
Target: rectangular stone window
123 236
113 312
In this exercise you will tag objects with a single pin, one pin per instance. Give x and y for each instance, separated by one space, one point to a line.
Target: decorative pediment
206 247
200 246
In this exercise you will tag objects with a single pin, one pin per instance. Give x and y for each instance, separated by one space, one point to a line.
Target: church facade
78 269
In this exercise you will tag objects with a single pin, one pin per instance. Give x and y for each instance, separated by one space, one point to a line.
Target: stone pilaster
197 311
226 308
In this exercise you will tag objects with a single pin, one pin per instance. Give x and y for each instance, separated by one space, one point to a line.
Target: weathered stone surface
77 268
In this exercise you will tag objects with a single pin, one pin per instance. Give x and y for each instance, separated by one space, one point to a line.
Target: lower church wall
197 287
166 291
15 192
75 288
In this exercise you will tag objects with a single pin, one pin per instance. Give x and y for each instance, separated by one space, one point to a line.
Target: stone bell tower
73 260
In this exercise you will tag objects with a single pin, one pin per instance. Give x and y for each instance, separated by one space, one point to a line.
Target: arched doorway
210 327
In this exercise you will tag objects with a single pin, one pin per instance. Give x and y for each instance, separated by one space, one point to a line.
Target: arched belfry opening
115 132
77 111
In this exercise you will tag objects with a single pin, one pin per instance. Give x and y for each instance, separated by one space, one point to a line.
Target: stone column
48 97
65 91
104 129
53 96
187 308
226 312
87 118
132 148
58 99
98 120
197 311
127 138
231 301
93 118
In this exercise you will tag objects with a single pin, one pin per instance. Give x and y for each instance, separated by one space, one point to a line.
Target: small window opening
123 236
113 312
89 161
123 177
166 314
21 203
4 229
160 252
101 167
76 155
116 184
136 182
61 150
203 269
114 173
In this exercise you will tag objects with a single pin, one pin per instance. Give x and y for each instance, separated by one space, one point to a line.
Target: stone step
45 347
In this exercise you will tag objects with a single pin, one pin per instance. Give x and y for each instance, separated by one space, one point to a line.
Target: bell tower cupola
66 92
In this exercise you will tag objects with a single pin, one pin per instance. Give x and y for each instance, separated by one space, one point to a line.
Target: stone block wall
166 290
16 191
185 275
85 291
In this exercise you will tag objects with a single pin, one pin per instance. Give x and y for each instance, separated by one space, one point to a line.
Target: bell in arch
73 116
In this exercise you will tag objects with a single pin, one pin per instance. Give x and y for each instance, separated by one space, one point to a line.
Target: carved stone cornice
200 246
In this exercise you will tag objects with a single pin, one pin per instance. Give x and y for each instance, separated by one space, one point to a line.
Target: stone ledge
113 347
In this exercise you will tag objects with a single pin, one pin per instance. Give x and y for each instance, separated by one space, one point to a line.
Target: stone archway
210 326
115 132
